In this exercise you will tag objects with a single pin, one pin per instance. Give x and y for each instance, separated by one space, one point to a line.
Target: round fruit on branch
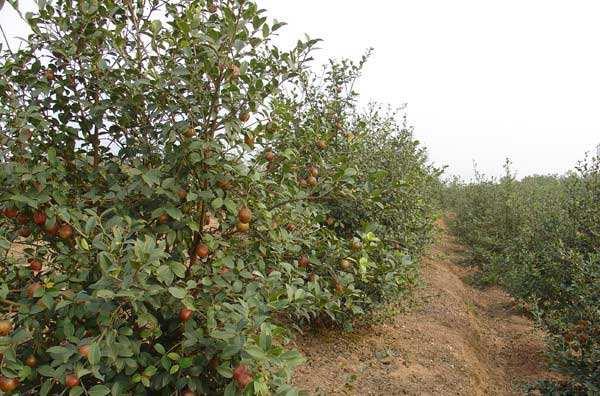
242 376
71 381
245 215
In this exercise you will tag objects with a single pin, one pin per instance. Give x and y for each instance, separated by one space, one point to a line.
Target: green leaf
99 390
217 203
178 292
105 294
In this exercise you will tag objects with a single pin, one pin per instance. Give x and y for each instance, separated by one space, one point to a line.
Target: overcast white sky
483 79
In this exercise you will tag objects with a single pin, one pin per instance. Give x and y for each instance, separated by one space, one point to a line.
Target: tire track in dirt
457 340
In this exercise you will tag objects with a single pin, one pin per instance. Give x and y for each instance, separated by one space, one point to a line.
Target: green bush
177 193
538 238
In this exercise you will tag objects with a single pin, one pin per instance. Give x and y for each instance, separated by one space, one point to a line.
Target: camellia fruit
234 70
190 133
271 127
249 140
242 227
11 213
202 250
182 194
188 392
35 265
242 376
65 231
313 171
31 361
185 314
32 288
224 184
329 221
269 156
303 262
22 219
8 385
245 215
321 144
245 116
290 227
356 245
24 232
5 327
49 74
346 265
52 230
84 351
212 8
39 218
338 287
163 218
71 381
311 181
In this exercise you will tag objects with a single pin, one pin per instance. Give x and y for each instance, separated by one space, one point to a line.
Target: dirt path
458 340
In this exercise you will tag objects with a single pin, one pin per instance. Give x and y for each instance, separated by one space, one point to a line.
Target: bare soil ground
455 340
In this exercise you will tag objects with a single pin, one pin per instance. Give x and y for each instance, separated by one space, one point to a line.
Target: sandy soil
455 340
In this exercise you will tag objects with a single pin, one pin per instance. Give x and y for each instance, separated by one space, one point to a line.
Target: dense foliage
540 238
178 193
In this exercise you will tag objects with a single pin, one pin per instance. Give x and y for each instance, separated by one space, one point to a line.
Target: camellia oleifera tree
172 194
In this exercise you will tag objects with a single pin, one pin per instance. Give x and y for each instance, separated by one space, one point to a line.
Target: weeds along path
455 339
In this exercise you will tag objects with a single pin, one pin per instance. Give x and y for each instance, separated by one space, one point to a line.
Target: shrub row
178 193
540 238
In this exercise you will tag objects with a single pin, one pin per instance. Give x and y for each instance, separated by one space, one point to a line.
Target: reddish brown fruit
234 70
22 219
182 194
242 376
8 385
35 265
338 287
224 184
24 232
356 246
321 144
245 116
53 230
31 361
313 171
311 181
65 231
271 127
71 381
190 133
242 227
346 265
84 351
163 218
5 327
245 215
303 183
269 156
32 288
290 227
202 250
249 140
39 218
303 262
185 314
11 212
329 221
49 74
188 392
212 8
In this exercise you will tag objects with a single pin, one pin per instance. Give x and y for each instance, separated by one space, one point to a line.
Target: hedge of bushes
178 193
540 238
